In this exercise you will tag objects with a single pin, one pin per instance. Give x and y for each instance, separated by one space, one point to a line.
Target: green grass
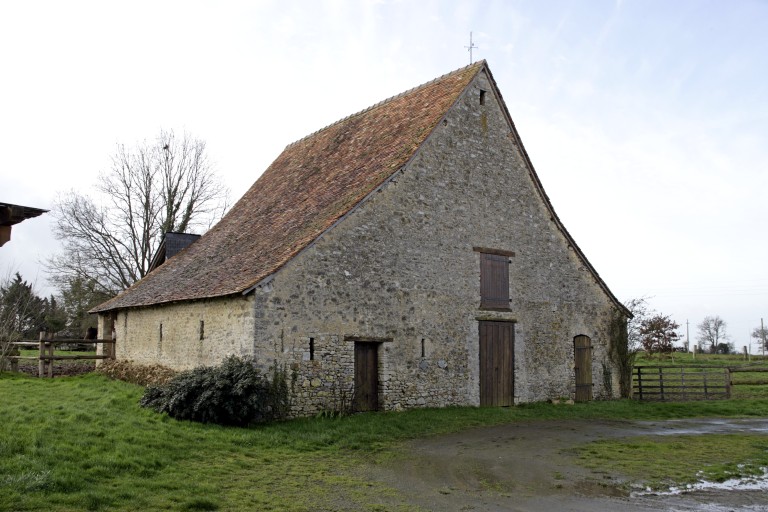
661 462
83 443
712 457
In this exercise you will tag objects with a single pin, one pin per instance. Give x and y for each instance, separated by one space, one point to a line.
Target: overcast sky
645 120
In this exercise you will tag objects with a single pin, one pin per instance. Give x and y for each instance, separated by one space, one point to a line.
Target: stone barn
405 256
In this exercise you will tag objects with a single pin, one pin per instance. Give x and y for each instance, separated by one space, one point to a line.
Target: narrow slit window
423 351
161 332
482 97
202 329
311 349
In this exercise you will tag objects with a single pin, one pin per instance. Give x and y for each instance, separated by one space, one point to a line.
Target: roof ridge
387 100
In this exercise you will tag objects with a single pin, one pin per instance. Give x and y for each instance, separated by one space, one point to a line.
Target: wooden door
366 376
497 363
582 351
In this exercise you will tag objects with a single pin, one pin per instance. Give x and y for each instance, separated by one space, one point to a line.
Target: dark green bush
234 393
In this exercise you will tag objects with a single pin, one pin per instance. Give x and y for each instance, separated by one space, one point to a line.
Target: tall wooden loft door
497 363
582 351
366 376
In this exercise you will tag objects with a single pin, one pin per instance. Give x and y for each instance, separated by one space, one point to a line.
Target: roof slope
311 185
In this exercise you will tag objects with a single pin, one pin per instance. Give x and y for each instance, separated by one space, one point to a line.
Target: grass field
83 443
678 460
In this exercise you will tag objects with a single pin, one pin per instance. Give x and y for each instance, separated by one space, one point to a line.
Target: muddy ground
528 467
60 368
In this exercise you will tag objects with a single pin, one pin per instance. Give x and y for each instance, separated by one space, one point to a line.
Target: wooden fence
46 355
690 382
681 383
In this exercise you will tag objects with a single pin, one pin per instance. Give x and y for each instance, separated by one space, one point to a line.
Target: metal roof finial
470 47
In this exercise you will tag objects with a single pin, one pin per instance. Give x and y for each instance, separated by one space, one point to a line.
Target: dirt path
527 467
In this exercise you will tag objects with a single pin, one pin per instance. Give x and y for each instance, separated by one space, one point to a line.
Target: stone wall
400 271
401 268
193 334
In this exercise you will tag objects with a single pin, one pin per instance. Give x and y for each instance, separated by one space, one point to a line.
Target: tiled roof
311 185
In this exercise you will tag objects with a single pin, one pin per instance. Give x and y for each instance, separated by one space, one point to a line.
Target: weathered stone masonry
227 328
401 270
401 266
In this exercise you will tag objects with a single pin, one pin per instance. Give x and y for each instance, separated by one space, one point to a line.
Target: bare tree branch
151 189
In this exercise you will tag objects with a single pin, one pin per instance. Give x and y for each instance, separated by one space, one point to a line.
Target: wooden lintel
499 252
494 318
368 339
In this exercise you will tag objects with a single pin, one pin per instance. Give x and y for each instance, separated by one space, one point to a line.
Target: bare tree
761 335
152 188
640 313
625 340
712 332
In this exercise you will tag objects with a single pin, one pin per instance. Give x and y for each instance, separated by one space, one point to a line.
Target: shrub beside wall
234 393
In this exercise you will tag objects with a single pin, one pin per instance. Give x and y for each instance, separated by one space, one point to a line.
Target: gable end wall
401 267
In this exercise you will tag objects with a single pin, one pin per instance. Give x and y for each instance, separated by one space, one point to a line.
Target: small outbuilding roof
12 214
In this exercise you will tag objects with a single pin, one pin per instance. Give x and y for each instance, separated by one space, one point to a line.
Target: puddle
753 483
708 426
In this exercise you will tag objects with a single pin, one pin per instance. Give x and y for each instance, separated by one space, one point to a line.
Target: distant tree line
24 314
655 332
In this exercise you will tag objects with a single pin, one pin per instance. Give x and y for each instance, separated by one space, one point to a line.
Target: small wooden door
497 363
582 351
366 376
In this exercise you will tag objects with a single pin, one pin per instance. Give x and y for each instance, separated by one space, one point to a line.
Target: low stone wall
185 335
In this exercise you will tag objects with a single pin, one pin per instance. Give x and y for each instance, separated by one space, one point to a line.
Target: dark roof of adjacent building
311 186
11 214
172 244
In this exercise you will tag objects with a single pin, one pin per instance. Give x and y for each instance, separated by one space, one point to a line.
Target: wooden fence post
14 353
682 381
41 362
49 346
661 382
728 383
639 382
706 394
45 366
